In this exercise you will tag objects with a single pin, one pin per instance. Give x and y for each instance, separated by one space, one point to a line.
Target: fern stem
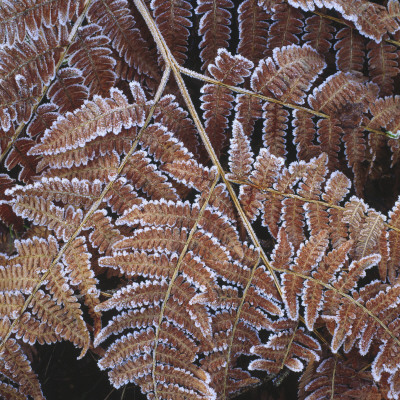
170 60
173 278
239 90
228 355
70 40
91 211
297 197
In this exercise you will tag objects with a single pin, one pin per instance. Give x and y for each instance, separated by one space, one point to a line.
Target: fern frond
15 365
142 173
354 380
173 21
74 192
30 17
22 86
68 92
44 117
372 20
77 265
216 100
118 24
214 27
286 348
103 235
350 50
17 157
319 33
95 118
100 168
42 212
253 30
286 28
279 76
170 114
91 54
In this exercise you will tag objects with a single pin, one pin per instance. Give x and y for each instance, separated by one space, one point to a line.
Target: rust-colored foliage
188 226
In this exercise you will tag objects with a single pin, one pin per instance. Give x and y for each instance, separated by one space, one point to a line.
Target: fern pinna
203 196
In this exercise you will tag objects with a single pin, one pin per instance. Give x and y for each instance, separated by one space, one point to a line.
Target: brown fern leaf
214 28
286 349
44 117
163 214
102 150
350 313
330 133
226 379
122 196
279 76
18 157
66 325
304 135
15 365
369 233
163 145
117 23
7 215
372 20
142 173
176 120
91 55
102 168
354 216
11 392
267 166
253 30
275 126
192 174
313 292
337 90
77 265
286 29
337 377
241 156
59 307
22 86
23 270
128 356
41 212
169 239
216 100
319 33
336 188
383 66
38 331
74 192
30 17
95 118
310 188
103 235
308 256
236 326
350 50
248 111
386 114
162 265
173 21
68 92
